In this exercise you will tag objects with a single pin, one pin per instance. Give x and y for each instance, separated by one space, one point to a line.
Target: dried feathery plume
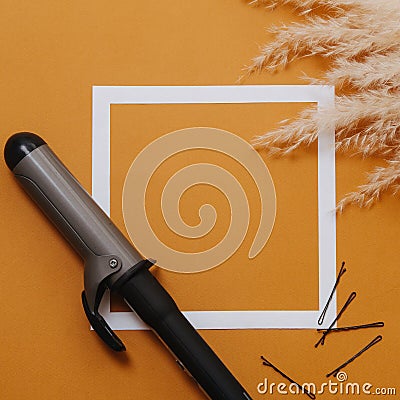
378 182
303 5
348 37
376 111
362 39
374 71
331 5
288 137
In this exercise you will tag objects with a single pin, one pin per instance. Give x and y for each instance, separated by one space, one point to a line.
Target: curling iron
111 261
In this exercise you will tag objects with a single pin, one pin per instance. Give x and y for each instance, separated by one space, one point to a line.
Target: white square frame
105 96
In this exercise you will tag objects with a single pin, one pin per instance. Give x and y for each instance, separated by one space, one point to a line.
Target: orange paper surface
52 55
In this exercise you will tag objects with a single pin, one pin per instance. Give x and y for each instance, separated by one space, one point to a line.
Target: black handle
156 307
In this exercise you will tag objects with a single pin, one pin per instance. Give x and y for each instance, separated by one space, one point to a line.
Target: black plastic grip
156 307
101 327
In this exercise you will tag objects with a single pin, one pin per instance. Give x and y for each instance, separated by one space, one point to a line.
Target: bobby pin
349 300
305 391
369 345
341 272
355 327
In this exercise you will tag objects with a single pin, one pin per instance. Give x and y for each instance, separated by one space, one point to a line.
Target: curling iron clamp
111 261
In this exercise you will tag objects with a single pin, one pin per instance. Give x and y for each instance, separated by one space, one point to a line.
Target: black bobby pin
349 300
355 327
305 391
369 345
341 272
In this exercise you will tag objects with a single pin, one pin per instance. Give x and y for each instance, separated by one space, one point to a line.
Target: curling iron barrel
111 261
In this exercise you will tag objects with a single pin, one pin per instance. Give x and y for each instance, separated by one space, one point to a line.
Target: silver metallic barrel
71 208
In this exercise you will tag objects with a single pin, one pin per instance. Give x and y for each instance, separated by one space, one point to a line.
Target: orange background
52 55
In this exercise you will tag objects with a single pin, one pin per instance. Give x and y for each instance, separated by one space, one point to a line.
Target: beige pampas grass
378 181
362 39
373 71
303 5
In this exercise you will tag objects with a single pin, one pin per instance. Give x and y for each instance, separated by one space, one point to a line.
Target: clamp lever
97 270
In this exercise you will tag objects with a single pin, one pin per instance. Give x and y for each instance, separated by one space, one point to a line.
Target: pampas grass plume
362 40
